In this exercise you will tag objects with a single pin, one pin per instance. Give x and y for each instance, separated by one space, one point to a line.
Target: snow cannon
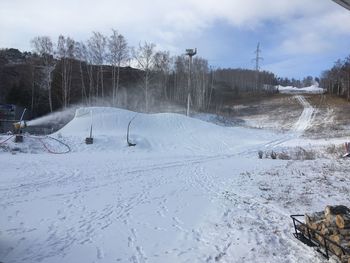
89 140
17 128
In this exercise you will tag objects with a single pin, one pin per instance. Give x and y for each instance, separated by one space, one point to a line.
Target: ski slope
163 132
190 191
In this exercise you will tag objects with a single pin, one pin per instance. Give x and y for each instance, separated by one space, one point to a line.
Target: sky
297 38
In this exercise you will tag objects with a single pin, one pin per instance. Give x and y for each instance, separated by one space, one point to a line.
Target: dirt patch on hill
332 118
280 112
277 112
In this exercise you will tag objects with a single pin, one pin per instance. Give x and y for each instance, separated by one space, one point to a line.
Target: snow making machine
18 126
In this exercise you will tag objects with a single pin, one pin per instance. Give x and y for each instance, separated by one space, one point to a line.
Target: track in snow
303 123
306 116
144 210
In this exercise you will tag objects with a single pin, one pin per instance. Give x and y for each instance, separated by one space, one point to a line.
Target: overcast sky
298 37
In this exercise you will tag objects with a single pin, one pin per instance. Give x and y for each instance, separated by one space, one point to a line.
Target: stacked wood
343 221
343 241
315 220
334 224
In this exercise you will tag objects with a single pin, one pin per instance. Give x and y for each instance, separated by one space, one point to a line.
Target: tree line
337 79
106 68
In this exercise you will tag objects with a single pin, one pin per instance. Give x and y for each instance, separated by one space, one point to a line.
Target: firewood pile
334 224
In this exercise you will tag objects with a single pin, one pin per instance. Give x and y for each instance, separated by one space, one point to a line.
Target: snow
306 116
313 89
189 191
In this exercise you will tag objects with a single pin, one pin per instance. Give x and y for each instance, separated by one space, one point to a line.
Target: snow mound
159 132
313 89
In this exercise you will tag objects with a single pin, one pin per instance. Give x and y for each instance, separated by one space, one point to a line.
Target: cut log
315 220
339 252
344 232
319 238
317 216
328 231
337 238
343 221
345 259
317 225
336 210
330 220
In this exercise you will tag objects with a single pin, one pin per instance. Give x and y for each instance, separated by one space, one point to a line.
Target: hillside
188 191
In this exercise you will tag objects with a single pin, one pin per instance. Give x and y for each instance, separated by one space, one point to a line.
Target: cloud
147 19
315 34
299 27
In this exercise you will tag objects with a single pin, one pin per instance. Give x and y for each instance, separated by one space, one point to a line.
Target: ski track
306 116
127 193
300 126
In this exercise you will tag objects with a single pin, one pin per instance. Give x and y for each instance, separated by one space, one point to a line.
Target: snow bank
313 89
155 132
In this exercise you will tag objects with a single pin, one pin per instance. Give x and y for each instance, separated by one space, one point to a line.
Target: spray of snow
58 117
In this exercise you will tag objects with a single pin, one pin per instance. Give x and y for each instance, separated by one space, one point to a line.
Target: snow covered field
190 191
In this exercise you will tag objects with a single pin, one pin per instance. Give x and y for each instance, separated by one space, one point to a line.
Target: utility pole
257 65
190 53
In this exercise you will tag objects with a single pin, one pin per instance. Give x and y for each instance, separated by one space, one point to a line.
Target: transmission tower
190 53
257 57
257 65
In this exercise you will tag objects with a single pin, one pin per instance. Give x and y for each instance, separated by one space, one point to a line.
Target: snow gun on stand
18 126
90 139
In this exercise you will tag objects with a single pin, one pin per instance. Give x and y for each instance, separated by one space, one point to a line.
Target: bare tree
180 79
43 46
200 72
97 44
162 67
65 52
81 55
144 55
118 55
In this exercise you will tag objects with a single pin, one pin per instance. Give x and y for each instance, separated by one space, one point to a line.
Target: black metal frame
306 238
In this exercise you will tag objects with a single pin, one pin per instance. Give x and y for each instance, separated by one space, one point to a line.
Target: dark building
9 114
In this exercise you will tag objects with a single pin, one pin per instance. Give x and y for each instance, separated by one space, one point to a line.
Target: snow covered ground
313 89
189 191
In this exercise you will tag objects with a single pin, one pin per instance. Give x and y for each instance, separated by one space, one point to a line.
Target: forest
337 79
105 70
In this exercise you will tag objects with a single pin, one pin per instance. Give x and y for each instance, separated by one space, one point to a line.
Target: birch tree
97 44
200 71
65 52
43 46
118 55
81 56
144 55
180 79
162 66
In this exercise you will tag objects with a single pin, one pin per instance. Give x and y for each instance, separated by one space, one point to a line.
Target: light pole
190 53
